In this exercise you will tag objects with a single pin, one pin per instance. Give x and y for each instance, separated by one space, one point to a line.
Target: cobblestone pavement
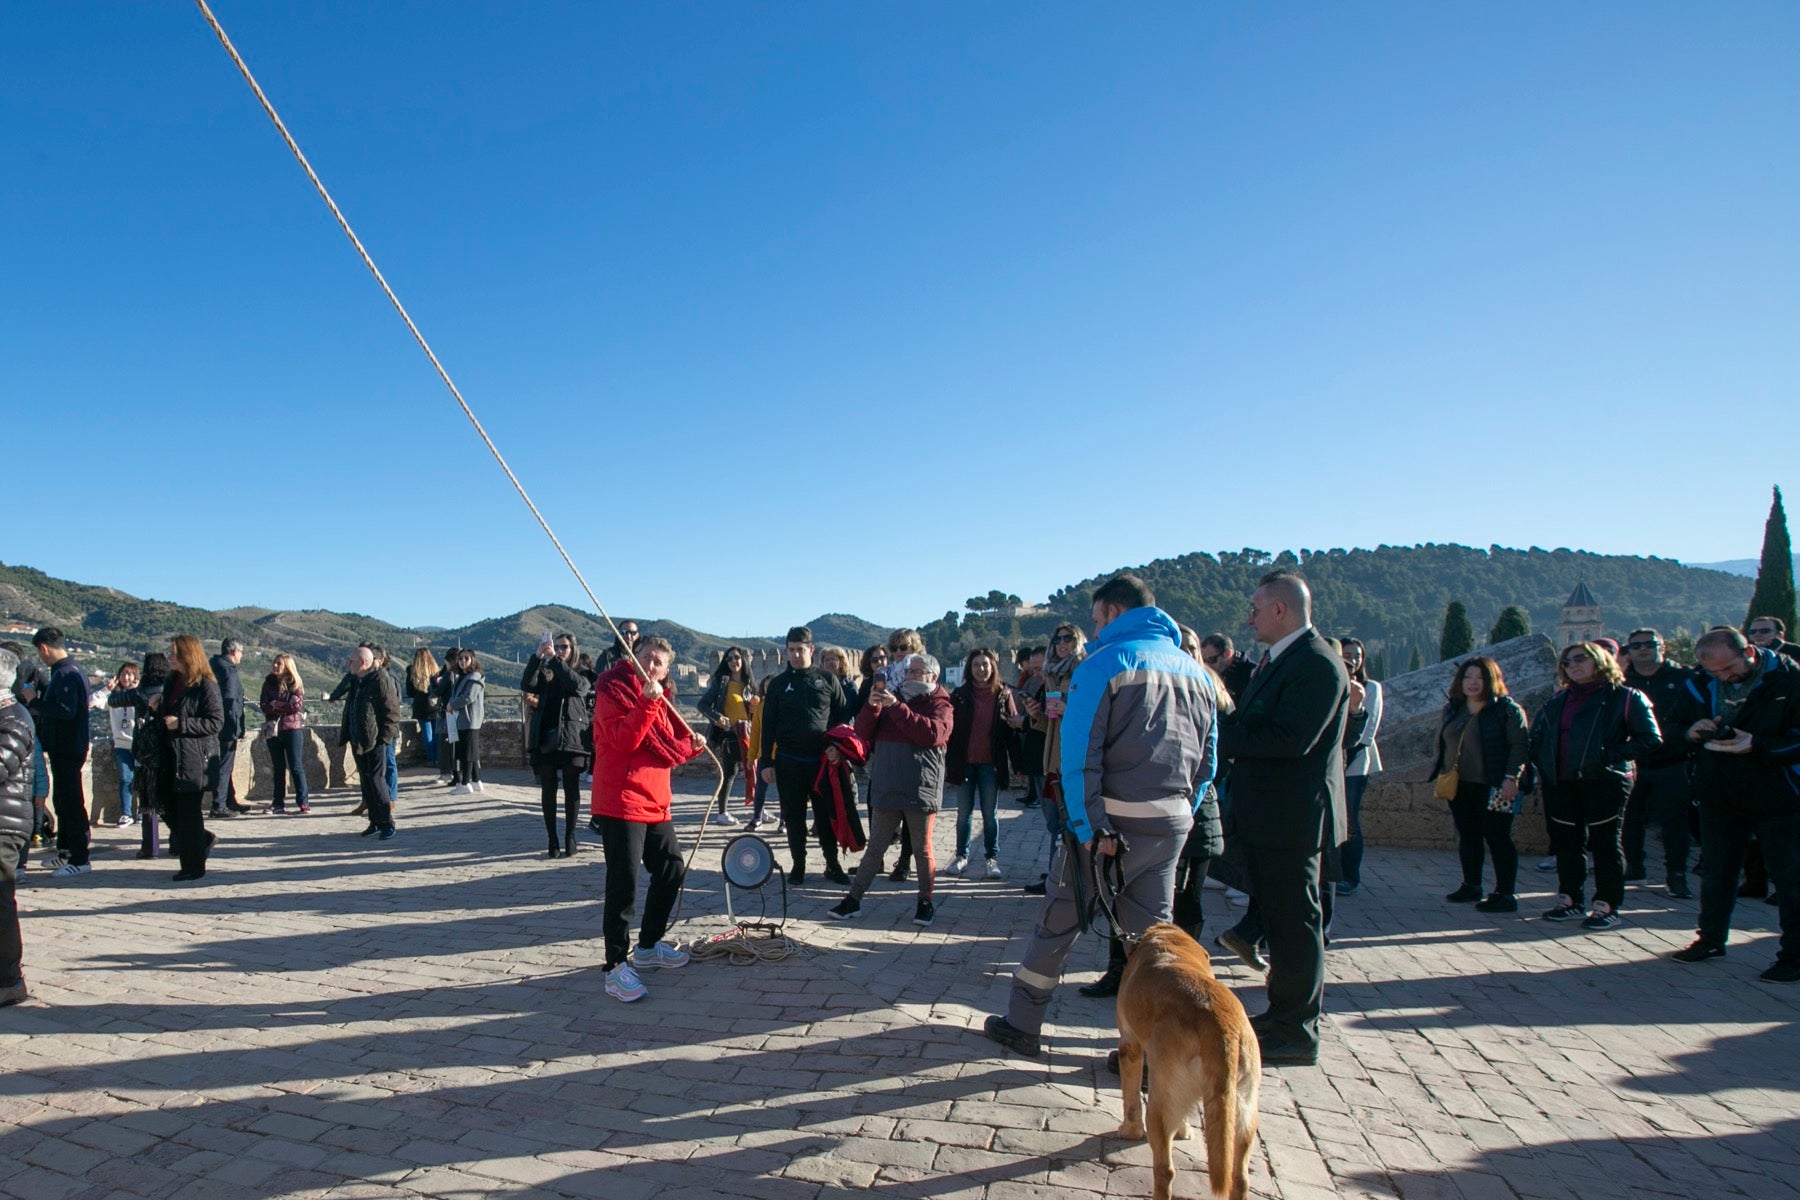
332 1016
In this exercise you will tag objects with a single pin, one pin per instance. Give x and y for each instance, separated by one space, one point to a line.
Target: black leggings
1586 815
570 777
727 750
1476 826
468 756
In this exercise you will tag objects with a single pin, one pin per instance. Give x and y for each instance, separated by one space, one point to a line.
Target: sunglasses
1642 645
1575 658
1063 637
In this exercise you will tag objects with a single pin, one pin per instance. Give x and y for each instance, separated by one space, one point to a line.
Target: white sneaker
461 789
124 821
69 869
663 954
622 983
958 865
993 869
725 818
477 786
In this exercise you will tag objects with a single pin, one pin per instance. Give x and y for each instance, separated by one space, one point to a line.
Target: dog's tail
1231 1120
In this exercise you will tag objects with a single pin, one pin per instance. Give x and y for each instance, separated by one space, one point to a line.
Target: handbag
1451 779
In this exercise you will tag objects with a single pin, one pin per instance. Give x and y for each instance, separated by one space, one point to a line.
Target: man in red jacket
637 740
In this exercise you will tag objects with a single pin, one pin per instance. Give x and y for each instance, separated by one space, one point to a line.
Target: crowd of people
1157 758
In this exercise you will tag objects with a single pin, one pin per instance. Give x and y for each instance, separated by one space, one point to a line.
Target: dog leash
1109 882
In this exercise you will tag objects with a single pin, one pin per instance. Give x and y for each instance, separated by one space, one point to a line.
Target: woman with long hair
564 731
1483 739
726 706
149 746
468 707
976 760
192 713
123 725
1362 757
283 704
874 661
425 707
1583 744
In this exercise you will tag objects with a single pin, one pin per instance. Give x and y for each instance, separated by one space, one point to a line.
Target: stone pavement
330 1016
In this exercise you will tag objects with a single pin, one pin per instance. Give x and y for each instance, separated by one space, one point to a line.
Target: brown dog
1205 1051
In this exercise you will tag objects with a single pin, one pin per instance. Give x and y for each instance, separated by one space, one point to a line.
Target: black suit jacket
231 694
1285 742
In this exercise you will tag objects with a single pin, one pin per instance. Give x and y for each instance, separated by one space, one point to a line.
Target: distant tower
1580 618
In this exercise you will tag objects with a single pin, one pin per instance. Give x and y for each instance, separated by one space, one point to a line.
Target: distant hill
1740 566
1393 597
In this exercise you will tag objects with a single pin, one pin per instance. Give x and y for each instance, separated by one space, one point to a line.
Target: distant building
1580 618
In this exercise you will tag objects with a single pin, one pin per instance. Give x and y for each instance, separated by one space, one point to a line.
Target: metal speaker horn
748 863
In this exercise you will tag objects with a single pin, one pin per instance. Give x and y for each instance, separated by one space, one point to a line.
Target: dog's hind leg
1131 1080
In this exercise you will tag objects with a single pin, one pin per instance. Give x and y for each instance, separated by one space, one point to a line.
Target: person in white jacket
1362 758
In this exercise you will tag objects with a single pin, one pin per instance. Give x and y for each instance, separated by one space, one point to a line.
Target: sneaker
725 818
1700 951
958 865
925 914
1547 863
1468 893
126 820
899 874
1496 903
1563 912
1012 1037
623 984
371 829
1678 888
1348 889
279 810
478 787
13 993
993 869
303 810
1600 920
663 954
844 909
836 875
68 870
385 835
1781 972
461 789
797 877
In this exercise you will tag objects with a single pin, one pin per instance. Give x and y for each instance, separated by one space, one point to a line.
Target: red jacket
636 742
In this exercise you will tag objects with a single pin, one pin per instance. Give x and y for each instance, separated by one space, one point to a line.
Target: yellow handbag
1451 779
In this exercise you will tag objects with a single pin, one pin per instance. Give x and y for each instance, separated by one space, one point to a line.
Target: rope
356 242
738 947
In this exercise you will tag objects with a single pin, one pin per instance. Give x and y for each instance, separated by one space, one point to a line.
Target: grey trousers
1148 898
886 824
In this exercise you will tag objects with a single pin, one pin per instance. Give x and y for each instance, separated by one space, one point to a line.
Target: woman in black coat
191 713
1483 738
563 726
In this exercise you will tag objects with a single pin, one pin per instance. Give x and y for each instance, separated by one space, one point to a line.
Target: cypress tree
1774 594
1514 622
1416 661
1459 635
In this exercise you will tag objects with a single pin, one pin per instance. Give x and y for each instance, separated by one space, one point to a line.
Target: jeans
285 750
391 761
40 773
1476 825
428 739
1724 836
626 844
1586 814
127 768
1351 855
981 778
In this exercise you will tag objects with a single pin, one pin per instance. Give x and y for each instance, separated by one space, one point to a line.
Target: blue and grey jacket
1140 732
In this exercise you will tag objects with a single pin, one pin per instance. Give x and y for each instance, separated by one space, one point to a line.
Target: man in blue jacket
1138 745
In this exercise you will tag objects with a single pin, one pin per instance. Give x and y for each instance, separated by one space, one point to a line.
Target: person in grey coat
467 709
907 730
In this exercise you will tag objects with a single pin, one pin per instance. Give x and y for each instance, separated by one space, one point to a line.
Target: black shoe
1106 985
797 876
555 850
188 876
1231 940
925 913
1112 1068
1772 898
899 874
220 812
569 850
1678 888
13 993
835 874
1012 1037
1496 903
1468 893
1752 892
372 829
1278 1052
1781 972
1700 951
1635 874
1039 888
844 909
145 854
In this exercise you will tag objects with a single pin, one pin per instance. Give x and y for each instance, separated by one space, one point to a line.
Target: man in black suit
221 766
1285 740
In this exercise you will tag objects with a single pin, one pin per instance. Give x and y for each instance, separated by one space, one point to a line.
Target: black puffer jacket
16 738
565 710
200 714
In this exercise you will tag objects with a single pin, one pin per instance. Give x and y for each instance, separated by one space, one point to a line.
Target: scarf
835 784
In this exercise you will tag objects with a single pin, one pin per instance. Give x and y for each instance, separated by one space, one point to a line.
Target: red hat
847 743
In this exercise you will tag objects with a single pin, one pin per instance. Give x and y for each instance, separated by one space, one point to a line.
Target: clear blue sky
867 307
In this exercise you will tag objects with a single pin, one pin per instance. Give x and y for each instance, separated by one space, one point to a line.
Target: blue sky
790 308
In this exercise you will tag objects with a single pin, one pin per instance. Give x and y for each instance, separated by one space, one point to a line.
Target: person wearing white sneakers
637 741
976 761
467 707
726 706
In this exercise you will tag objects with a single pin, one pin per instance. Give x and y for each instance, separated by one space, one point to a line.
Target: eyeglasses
1063 637
1642 645
1573 659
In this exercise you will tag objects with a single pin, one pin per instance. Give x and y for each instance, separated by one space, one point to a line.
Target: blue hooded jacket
1140 732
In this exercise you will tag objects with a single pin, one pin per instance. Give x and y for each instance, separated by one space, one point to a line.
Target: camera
1724 733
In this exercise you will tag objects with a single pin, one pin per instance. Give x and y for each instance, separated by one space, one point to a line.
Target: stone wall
1399 808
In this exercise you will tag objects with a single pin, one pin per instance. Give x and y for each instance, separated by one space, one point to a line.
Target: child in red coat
637 741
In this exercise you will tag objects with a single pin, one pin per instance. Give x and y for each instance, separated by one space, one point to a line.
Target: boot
1108 984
